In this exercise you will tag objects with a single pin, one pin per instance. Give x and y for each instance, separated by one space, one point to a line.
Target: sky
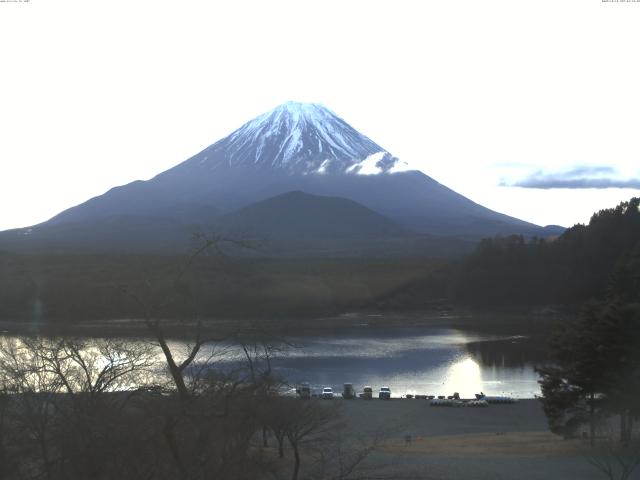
530 108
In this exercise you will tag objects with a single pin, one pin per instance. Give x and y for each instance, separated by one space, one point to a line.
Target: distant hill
299 215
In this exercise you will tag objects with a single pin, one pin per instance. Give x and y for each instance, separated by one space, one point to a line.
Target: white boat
496 399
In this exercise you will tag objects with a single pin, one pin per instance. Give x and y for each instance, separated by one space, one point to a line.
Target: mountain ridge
294 147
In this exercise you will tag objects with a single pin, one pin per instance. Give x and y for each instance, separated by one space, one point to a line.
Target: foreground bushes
104 409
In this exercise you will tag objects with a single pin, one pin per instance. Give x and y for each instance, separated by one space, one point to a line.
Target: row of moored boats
349 393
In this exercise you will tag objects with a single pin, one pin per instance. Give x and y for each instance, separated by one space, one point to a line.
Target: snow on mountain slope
300 139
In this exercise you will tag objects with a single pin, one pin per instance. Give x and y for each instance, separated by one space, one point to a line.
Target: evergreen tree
595 371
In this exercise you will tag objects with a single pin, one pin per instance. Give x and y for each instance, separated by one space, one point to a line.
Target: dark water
415 361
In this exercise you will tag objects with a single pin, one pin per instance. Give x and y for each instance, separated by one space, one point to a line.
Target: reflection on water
415 361
515 351
464 376
409 361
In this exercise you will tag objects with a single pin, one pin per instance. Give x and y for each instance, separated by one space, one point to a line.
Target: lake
432 361
417 360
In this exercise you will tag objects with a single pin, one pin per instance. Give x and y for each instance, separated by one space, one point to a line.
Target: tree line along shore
503 271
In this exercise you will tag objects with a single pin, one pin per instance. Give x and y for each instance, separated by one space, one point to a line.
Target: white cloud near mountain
581 176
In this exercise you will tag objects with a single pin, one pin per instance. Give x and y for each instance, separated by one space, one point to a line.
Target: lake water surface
425 360
415 361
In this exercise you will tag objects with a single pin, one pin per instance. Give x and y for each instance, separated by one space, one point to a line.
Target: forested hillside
579 265
62 288
576 266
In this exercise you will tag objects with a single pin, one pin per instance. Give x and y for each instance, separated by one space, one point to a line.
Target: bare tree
307 420
275 415
317 435
180 291
616 461
259 348
33 416
7 463
66 398
92 367
342 458
208 428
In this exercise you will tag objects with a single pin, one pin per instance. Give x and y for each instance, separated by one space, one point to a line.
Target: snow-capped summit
299 138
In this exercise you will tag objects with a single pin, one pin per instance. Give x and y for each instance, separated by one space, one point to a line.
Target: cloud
583 176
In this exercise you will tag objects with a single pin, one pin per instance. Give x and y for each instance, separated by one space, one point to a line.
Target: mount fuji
341 179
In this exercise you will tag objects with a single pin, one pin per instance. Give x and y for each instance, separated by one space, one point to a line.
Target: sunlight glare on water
465 377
